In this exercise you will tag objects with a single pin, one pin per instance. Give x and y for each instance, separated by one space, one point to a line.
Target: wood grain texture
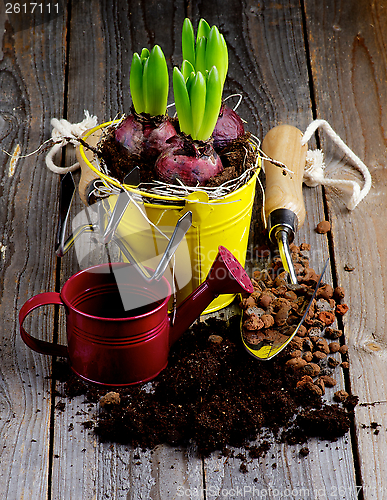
269 61
106 470
348 55
100 54
31 89
269 98
88 60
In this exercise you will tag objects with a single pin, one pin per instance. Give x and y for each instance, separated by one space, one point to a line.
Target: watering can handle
37 345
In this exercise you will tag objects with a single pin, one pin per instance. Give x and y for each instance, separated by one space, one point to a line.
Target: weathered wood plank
99 60
275 84
105 470
269 63
31 89
348 56
267 60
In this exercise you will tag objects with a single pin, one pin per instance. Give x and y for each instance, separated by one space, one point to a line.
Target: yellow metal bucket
149 224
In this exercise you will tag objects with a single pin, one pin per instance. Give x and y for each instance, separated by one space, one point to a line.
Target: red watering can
119 331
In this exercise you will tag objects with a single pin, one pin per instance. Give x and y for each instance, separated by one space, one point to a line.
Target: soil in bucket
235 157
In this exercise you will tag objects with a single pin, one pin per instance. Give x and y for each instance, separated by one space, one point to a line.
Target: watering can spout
226 276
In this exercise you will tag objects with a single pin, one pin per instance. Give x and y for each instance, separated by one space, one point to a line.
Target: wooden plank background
292 61
31 91
348 57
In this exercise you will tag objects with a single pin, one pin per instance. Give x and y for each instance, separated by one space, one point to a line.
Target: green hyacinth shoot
198 86
198 99
149 83
210 48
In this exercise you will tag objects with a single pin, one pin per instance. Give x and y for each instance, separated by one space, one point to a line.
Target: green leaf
187 69
198 102
210 49
144 83
225 57
190 81
216 53
203 29
188 41
213 104
156 82
135 83
200 61
182 102
198 86
144 55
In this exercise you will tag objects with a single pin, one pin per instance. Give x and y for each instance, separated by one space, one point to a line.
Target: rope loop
314 174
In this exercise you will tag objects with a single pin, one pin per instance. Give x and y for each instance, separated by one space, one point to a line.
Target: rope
314 174
65 133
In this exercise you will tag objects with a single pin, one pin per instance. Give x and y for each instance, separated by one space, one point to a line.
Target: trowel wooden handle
283 143
87 174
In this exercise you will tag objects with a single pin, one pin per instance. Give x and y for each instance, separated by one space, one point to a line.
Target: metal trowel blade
273 344
284 250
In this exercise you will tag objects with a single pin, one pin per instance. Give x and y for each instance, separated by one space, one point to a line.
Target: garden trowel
284 204
284 212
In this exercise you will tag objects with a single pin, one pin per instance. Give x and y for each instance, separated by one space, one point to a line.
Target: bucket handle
41 346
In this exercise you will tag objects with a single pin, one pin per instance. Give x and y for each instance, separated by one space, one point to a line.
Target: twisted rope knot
314 168
65 133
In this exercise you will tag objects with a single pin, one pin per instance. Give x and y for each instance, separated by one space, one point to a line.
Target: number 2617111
31 8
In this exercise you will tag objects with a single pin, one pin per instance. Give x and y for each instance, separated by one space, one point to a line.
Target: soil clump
214 394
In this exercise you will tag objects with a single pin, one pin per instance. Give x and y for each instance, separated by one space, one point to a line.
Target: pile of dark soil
215 394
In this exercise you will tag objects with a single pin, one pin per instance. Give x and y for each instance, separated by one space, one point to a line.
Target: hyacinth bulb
191 162
228 127
144 137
